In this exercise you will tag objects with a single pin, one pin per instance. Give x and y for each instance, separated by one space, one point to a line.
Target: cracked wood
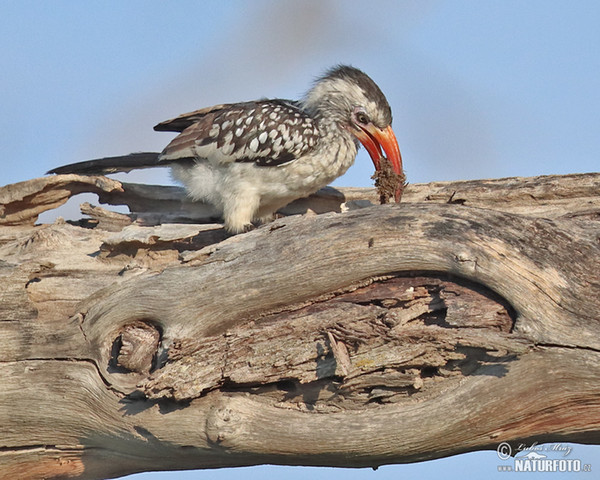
132 343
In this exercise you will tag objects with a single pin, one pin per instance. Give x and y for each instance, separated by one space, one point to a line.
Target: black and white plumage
250 159
265 132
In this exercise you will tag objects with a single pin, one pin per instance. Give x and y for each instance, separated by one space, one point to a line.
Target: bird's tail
99 166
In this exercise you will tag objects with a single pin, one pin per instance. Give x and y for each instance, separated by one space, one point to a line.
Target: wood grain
465 316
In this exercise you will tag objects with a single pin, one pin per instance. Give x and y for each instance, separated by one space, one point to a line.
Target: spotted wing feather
266 132
180 123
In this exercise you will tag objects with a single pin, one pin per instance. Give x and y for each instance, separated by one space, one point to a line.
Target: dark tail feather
100 166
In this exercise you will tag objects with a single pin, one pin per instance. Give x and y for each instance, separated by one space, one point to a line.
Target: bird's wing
183 121
265 132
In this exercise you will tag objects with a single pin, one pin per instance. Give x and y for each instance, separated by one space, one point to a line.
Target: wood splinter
340 353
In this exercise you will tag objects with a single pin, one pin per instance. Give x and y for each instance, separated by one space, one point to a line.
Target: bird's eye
362 117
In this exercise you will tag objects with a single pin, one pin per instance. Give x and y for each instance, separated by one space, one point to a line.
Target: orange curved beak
374 139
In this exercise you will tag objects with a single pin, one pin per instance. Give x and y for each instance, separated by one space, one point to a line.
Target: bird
250 159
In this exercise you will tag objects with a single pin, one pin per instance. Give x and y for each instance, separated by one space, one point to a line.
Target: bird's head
355 103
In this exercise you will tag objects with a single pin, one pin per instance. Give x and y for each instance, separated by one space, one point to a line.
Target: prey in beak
374 139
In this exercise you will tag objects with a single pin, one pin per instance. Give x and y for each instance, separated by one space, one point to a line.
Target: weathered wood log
466 316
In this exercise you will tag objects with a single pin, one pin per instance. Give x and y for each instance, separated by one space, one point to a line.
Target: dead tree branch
464 317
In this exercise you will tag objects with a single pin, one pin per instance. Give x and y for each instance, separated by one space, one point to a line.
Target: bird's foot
237 229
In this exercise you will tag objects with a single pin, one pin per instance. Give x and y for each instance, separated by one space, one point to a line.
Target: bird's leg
239 212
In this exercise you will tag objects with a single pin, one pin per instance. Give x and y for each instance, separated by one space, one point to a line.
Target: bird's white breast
273 187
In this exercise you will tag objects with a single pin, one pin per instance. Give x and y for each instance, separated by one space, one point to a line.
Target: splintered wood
388 183
337 352
155 341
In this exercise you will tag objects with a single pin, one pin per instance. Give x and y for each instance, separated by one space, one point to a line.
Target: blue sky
479 89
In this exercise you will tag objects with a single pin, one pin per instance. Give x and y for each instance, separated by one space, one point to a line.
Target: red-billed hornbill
250 159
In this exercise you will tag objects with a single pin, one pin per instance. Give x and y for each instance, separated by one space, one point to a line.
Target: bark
465 316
